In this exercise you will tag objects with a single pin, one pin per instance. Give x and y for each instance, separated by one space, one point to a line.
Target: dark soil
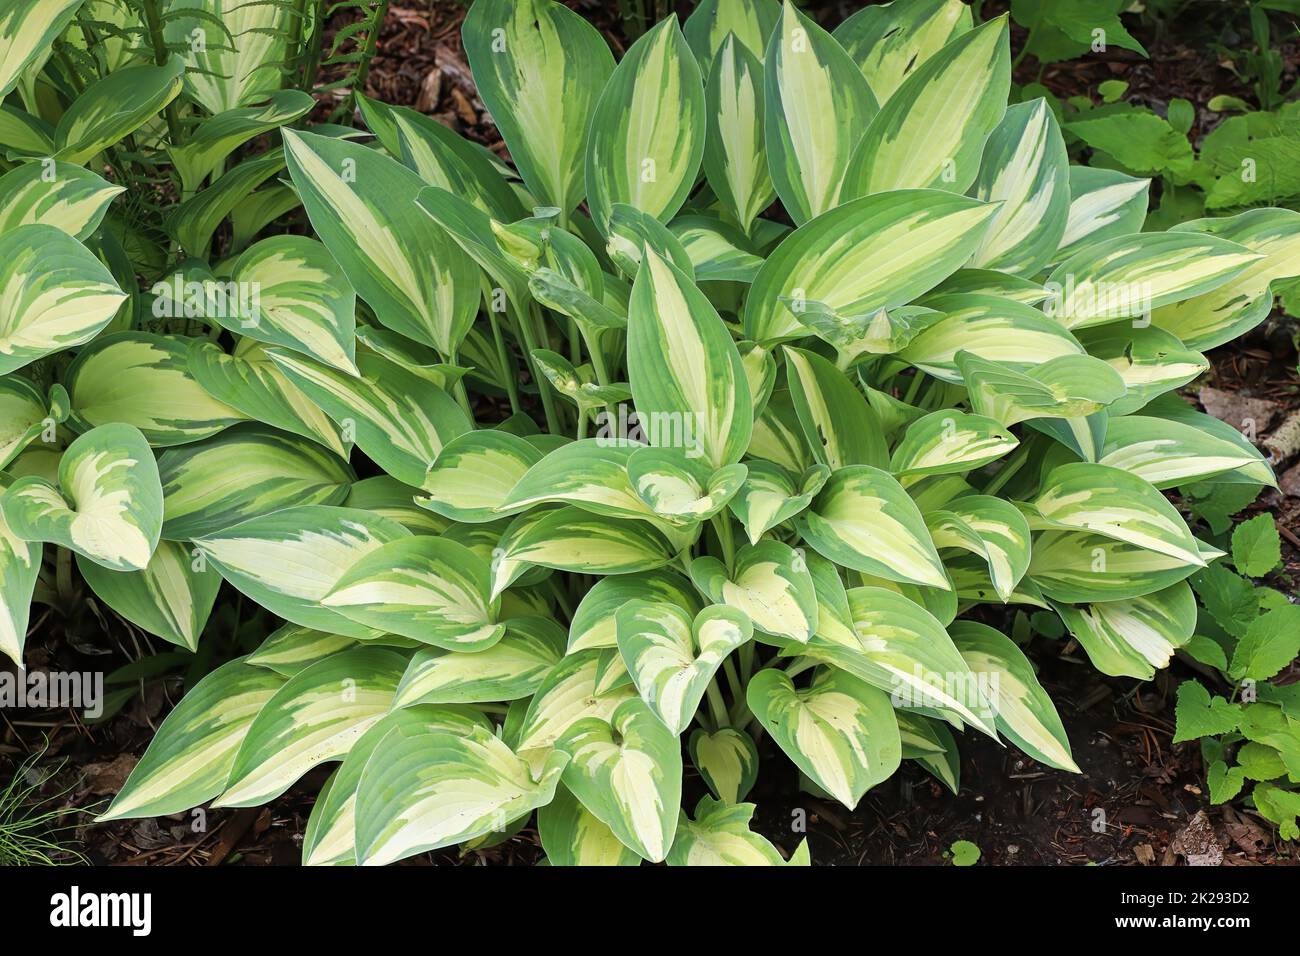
1140 798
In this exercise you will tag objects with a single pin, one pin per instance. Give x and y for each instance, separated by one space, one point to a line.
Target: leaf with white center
720 836
632 231
1169 453
931 132
416 279
646 136
735 157
170 597
1069 386
108 506
539 68
627 770
244 472
771 495
989 283
1137 636
20 565
1239 305
890 41
681 489
882 333
58 194
572 835
1077 567
712 21
428 589
719 252
237 62
568 693
838 424
1128 276
594 621
1103 203
315 717
840 730
570 539
329 839
878 252
1179 411
687 379
931 744
510 669
215 139
1107 501
54 294
287 561
399 419
1148 359
190 757
434 789
590 473
863 519
1003 535
992 328
1024 712
389 498
301 301
144 379
474 474
895 644
291 647
112 108
25 413
727 760
249 381
1025 167
950 442
769 582
28 29
672 658
817 105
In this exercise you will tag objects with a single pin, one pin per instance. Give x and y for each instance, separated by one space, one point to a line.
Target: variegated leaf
58 194
769 582
572 835
239 62
727 760
473 476
838 424
1104 203
735 157
1137 636
20 565
720 836
890 41
950 442
594 620
1081 566
679 488
771 495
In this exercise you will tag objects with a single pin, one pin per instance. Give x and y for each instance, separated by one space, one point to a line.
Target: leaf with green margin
1077 567
315 717
1133 637
114 107
838 424
190 757
594 622
1004 538
840 730
430 790
428 589
735 156
331 829
890 41
1149 360
568 693
170 597
878 252
510 669
288 560
108 506
572 835
28 29
473 476
949 442
931 132
627 771
57 194
727 760
144 379
291 647
54 294
244 472
1066 387
242 52
769 582
672 658
771 495
646 136
679 488
863 519
1169 453
687 379
400 420
710 23
20 565
26 413
1023 711
817 106
589 473
540 69
720 836
361 204
1103 203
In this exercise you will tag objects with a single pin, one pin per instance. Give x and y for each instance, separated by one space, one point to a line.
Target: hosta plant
732 416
